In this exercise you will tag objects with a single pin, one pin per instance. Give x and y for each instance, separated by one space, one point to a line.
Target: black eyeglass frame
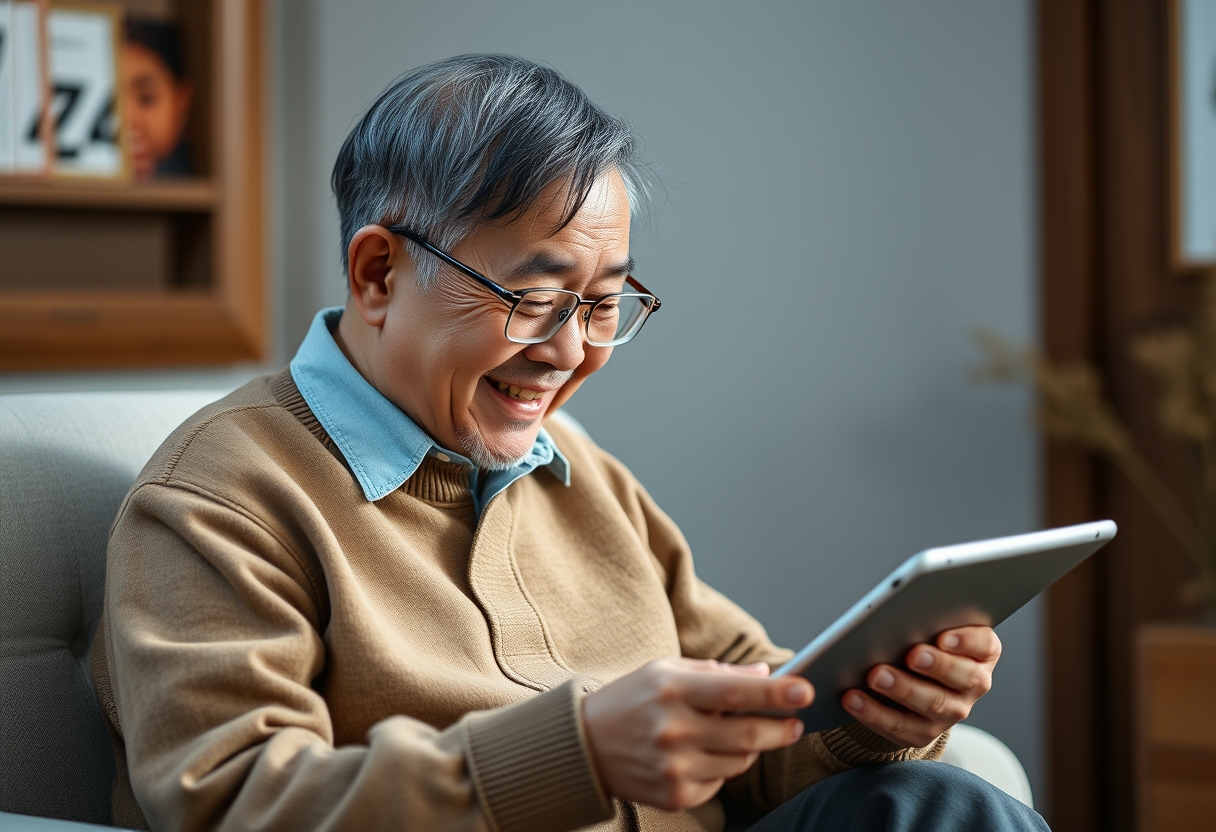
512 299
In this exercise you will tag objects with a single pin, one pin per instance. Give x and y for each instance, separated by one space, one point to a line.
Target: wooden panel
1067 285
1176 729
84 249
1180 807
1105 277
1145 568
1178 685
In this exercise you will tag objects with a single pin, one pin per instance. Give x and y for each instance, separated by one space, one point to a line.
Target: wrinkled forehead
603 206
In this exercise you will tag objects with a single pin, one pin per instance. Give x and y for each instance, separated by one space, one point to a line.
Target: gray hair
473 139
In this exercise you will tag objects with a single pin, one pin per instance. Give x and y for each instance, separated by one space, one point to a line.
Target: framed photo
1192 99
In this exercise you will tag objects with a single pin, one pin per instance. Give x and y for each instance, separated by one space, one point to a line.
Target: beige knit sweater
279 653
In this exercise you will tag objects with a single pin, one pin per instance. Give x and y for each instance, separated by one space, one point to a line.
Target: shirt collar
383 446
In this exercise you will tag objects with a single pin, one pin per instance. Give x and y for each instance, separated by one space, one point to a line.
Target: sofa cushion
66 461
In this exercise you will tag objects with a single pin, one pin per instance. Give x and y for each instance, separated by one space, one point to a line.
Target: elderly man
373 592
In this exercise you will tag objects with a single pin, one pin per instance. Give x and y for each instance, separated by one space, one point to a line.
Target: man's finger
746 734
702 768
960 673
754 669
937 703
980 643
904 728
729 693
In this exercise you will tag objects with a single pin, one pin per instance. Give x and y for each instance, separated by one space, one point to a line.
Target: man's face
442 356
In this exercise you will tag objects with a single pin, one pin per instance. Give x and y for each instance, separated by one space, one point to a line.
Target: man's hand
665 735
946 682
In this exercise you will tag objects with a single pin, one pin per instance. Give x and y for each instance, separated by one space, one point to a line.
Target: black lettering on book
104 128
64 98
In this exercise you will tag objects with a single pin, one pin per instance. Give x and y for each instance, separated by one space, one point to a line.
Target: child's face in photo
155 106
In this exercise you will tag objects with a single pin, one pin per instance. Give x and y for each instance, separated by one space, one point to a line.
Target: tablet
979 583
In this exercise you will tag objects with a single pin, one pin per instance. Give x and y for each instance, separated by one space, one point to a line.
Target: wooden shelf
194 194
157 328
169 272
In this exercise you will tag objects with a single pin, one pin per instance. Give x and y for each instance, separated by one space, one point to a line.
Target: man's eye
534 308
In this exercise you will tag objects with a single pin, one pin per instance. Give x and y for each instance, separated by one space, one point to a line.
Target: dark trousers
902 797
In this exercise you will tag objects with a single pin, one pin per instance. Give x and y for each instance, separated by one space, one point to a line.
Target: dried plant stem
1072 408
1167 506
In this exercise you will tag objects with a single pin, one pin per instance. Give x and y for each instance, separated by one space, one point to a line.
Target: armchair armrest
987 757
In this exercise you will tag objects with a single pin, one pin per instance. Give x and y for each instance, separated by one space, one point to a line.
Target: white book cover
29 84
7 131
84 92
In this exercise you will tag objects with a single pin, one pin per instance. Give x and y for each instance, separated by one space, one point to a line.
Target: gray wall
850 191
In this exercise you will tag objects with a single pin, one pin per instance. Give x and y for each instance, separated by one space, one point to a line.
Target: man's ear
370 271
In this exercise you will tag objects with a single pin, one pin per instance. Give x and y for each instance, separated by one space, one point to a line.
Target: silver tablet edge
937 558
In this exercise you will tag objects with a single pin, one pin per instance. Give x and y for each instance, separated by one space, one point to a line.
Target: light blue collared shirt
383 446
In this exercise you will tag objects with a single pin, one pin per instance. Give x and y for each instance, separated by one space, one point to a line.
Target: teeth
516 392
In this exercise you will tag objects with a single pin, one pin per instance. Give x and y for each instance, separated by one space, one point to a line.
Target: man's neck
351 338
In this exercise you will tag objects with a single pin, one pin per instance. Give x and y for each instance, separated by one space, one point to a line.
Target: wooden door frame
1069 331
1105 274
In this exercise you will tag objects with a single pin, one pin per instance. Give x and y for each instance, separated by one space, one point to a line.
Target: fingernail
951 641
853 702
796 734
924 661
796 694
884 679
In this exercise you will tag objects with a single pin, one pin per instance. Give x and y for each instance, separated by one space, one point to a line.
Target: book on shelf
23 150
6 86
82 56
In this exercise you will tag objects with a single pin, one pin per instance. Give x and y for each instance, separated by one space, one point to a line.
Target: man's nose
564 350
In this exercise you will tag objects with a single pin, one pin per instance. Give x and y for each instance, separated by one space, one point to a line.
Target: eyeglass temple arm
506 295
635 284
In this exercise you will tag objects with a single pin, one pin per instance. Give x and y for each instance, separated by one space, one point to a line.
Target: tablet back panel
980 583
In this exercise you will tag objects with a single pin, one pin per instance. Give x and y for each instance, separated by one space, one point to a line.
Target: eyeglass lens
612 320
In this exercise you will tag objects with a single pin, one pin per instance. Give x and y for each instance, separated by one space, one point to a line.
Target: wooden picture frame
1192 134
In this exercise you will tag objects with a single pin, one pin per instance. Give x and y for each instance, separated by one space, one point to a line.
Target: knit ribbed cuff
855 745
532 766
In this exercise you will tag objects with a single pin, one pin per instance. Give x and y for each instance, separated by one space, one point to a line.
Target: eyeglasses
537 314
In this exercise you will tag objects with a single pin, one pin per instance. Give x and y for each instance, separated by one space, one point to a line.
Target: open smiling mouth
511 391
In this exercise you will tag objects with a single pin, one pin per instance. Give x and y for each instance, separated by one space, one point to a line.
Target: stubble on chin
523 371
476 449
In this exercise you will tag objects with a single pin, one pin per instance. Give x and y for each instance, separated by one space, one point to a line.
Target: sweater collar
383 446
